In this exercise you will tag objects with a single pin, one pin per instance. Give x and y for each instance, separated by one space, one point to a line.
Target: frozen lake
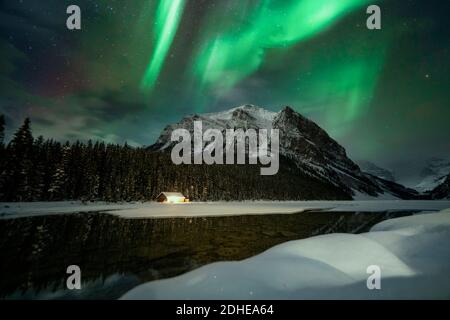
121 246
205 209
117 254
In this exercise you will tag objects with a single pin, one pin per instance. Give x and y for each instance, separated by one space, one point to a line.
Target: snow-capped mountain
302 142
244 117
433 174
373 169
442 191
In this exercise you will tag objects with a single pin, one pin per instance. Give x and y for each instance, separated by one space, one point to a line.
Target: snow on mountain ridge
261 117
433 174
442 191
375 170
245 117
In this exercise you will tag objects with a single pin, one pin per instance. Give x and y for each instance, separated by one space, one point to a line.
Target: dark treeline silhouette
46 170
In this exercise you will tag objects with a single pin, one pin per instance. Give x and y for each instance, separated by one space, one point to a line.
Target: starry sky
139 65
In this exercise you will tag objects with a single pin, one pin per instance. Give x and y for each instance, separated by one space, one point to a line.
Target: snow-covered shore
157 210
412 253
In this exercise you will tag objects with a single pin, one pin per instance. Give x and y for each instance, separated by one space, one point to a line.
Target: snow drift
412 252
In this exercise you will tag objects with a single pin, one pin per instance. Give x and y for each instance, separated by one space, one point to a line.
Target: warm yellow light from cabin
175 199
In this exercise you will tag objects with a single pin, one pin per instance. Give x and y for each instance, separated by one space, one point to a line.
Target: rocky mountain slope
375 170
442 191
433 174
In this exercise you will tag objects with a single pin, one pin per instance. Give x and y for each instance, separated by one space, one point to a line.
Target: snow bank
157 210
412 252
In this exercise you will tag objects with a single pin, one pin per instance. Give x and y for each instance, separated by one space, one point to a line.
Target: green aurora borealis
167 19
137 66
239 50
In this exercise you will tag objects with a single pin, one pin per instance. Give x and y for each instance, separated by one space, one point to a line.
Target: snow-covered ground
157 210
412 253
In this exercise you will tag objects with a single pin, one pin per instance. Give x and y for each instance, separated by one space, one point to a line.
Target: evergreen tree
19 166
2 156
57 190
37 179
2 130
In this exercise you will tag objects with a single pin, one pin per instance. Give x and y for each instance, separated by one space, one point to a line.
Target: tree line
38 169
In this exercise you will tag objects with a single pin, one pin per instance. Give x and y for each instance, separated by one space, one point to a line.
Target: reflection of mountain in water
116 254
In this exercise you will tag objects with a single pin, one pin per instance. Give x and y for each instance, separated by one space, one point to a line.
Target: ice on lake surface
157 210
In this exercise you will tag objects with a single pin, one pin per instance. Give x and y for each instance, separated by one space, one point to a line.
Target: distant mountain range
434 177
433 174
375 170
305 148
442 191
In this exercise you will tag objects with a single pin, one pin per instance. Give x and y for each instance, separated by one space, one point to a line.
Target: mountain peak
288 109
248 106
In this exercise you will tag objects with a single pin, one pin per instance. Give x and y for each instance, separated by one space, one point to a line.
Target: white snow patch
412 253
262 118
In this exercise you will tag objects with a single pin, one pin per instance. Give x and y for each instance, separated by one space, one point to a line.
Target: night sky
139 65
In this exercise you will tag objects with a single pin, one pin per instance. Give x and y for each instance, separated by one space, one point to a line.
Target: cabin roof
171 194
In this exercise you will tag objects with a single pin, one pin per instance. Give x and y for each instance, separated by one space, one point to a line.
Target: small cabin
171 197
